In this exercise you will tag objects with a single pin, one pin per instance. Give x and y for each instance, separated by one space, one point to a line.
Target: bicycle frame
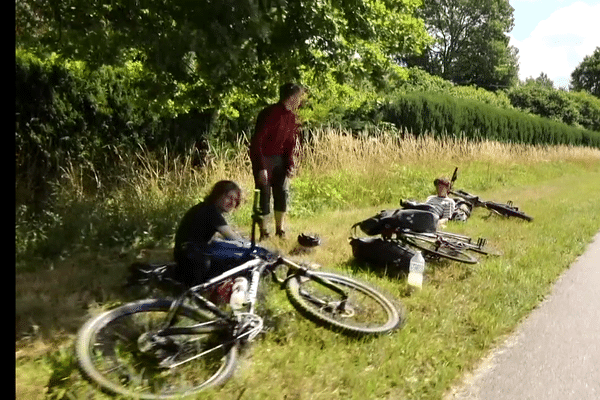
257 266
435 235
481 242
507 209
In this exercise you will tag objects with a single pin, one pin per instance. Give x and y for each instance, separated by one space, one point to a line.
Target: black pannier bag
381 252
388 220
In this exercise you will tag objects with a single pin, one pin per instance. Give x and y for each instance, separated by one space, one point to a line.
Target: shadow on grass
56 299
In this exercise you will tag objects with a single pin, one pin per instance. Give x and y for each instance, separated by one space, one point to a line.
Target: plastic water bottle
238 293
415 270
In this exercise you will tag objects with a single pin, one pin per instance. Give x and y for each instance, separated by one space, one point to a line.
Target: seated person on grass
194 253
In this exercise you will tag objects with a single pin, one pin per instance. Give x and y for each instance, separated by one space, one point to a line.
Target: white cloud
559 43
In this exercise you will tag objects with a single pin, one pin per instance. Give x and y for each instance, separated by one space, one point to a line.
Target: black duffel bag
387 221
380 252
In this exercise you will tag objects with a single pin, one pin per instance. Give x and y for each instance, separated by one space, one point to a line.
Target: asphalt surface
555 353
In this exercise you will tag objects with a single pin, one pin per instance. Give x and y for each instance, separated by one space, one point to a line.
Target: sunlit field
462 312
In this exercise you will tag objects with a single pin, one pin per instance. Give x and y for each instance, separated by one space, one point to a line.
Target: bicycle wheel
444 249
508 211
118 351
365 312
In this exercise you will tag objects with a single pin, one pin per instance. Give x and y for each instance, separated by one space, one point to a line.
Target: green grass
462 312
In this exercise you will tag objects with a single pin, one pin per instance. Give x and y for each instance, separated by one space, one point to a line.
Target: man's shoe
264 235
280 233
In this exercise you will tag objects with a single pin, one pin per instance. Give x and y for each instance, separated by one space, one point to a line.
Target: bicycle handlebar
468 197
454 176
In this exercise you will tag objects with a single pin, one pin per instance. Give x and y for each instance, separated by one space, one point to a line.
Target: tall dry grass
325 151
331 149
146 196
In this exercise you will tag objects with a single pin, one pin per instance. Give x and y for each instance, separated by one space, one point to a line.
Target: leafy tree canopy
211 48
587 74
471 42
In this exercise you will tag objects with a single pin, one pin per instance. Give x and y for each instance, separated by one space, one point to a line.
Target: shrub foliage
443 115
67 114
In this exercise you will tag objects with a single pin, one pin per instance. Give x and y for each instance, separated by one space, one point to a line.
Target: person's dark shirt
199 225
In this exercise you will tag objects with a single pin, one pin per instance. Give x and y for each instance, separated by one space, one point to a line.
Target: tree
538 96
210 49
587 74
470 42
542 81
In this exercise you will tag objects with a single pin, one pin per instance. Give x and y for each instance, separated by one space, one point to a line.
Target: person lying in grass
444 205
441 205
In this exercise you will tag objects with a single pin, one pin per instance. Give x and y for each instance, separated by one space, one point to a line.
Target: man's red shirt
275 135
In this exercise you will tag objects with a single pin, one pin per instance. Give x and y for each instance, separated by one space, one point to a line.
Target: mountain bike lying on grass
448 245
506 210
437 245
169 349
418 229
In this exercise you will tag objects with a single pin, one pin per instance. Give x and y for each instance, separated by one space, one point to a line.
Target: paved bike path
555 353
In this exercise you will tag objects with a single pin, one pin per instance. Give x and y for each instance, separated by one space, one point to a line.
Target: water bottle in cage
238 293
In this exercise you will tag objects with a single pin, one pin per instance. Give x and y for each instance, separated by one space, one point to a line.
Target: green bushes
443 115
578 109
61 108
67 115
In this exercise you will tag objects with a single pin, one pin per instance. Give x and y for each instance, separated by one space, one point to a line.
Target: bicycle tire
367 311
433 249
108 354
508 211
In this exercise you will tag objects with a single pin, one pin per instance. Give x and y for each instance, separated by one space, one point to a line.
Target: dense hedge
440 115
573 108
66 114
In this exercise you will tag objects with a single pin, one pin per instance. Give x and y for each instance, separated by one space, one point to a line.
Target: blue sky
553 36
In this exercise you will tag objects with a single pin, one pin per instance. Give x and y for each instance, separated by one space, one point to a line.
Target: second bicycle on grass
507 209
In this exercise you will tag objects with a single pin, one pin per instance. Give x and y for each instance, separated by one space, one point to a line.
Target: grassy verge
462 312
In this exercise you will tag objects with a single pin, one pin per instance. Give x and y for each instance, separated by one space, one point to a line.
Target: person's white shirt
444 205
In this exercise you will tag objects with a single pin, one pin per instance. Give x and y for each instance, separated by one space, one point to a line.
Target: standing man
272 154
